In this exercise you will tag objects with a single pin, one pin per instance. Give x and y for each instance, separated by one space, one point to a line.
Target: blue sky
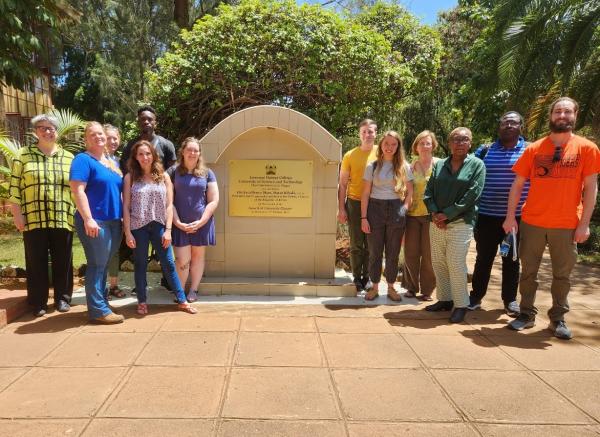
426 10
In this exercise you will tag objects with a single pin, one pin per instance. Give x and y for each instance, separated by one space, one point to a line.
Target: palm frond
538 112
578 39
70 125
8 147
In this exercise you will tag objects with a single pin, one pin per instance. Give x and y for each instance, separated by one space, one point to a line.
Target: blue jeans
97 253
152 233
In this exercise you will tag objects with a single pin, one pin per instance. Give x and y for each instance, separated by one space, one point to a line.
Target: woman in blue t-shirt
96 184
196 196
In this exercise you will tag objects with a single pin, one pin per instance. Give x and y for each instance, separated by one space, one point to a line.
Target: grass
12 251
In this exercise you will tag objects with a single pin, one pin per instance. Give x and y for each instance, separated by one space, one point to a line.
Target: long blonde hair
398 163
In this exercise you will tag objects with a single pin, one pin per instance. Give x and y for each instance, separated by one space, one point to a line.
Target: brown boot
110 319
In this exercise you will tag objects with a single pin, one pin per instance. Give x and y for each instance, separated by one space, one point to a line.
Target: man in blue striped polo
499 157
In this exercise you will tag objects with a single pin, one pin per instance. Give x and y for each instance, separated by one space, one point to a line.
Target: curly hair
156 170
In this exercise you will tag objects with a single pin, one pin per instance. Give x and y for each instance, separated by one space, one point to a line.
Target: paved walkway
243 369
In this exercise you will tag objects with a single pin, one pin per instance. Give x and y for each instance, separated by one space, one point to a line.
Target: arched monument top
218 139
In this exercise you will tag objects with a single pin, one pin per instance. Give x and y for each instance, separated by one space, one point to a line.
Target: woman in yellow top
418 272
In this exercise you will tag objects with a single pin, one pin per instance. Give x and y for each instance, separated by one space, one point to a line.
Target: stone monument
277 172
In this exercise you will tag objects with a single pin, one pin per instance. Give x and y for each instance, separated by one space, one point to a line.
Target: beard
561 127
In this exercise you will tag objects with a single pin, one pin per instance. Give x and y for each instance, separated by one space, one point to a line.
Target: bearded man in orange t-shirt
563 172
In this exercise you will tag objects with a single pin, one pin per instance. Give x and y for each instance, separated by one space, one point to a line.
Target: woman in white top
386 197
148 217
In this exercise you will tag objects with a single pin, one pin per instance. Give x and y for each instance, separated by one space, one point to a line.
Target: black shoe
39 312
458 315
62 306
441 305
358 284
474 304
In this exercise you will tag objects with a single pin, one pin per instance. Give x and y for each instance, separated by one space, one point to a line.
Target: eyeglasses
461 140
557 153
49 129
508 123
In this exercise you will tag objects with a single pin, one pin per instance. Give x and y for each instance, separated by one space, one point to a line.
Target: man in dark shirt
146 119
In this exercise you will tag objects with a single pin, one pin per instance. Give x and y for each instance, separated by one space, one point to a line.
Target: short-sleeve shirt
499 177
103 187
164 149
39 184
354 162
189 196
555 190
383 179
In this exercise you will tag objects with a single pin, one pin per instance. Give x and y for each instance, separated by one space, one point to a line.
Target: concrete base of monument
339 286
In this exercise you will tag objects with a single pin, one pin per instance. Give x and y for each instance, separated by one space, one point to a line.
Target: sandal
116 292
372 294
142 309
392 294
425 298
192 296
187 308
410 294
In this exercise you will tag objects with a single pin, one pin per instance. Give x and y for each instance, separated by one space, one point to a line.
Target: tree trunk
181 13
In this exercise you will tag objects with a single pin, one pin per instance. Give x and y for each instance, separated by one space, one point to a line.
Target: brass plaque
270 188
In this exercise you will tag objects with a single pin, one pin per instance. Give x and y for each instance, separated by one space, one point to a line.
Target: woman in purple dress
195 200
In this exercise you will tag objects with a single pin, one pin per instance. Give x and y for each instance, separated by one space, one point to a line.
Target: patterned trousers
449 249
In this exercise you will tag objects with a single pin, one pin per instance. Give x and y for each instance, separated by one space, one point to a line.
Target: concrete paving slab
188 349
457 352
488 430
278 324
27 350
59 393
582 388
584 323
7 376
280 393
42 427
354 325
386 394
507 396
168 392
432 327
278 349
407 429
281 428
54 322
368 351
97 350
549 354
149 427
202 322
133 323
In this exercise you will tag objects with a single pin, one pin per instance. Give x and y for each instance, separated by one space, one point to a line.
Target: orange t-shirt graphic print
555 193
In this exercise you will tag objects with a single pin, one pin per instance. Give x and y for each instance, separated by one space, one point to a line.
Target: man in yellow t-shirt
349 191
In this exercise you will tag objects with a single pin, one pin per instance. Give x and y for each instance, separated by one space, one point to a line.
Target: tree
29 28
418 47
269 52
196 9
107 54
540 50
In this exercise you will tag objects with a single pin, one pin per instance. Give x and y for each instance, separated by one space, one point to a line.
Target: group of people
138 198
543 192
